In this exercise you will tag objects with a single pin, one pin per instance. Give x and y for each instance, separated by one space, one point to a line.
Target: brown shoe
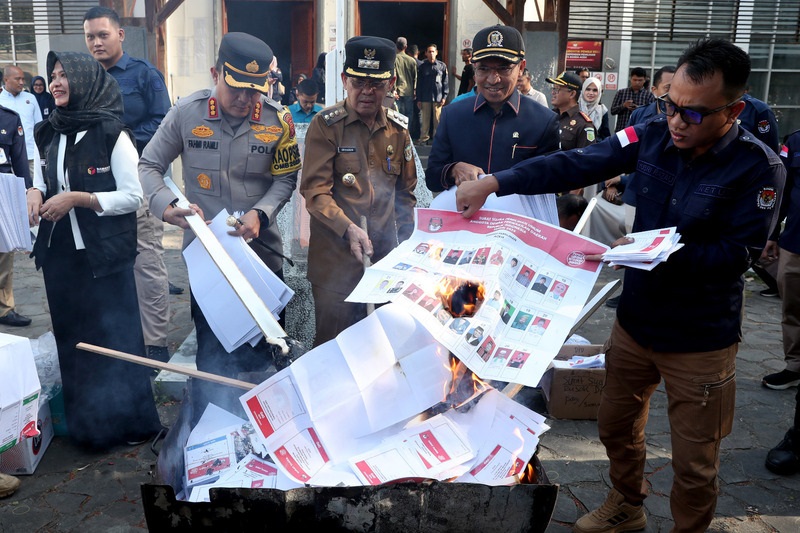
8 485
614 516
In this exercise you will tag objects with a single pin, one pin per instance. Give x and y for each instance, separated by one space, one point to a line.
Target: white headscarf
595 110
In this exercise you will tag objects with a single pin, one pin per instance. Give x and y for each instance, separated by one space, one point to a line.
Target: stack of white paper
15 233
346 413
648 249
577 361
226 314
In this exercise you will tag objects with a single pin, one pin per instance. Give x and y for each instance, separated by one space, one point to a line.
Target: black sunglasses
689 116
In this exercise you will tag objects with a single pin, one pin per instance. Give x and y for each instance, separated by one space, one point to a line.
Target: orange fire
465 385
460 297
528 476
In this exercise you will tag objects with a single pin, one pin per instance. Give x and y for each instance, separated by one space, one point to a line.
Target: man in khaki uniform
239 153
576 128
359 161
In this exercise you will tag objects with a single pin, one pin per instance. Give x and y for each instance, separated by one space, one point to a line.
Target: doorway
287 27
422 23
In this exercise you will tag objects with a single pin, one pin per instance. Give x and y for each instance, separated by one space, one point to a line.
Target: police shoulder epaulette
333 114
397 117
202 94
586 117
272 103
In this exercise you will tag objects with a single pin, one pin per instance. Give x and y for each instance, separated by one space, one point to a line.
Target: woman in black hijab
86 202
44 98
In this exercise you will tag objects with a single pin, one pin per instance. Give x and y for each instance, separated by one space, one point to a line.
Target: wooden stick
365 259
199 374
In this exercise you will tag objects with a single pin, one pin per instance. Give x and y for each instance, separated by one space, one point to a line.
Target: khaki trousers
332 314
152 283
701 390
6 283
789 288
429 109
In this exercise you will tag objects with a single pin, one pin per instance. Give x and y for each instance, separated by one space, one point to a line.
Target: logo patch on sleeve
767 198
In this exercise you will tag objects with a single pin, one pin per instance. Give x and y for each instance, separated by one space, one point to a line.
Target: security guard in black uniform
13 160
575 127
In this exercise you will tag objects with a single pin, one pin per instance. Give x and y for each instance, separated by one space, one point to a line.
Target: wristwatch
262 217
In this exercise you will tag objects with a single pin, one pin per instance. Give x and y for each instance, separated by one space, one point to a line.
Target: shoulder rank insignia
202 131
398 118
256 112
213 110
333 115
586 117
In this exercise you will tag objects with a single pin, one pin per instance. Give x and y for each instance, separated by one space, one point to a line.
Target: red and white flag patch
627 136
784 151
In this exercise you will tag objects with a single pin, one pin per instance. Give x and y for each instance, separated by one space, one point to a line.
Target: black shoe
613 302
158 353
781 380
770 293
784 459
174 289
15 319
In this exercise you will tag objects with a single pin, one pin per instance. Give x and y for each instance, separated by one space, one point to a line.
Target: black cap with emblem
503 42
565 79
245 61
369 57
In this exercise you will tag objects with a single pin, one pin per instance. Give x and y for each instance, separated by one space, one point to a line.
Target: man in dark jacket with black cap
359 163
497 128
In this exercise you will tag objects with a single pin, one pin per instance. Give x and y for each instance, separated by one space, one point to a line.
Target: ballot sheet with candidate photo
501 291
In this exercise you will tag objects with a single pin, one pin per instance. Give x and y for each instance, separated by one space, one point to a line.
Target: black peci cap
245 61
369 57
503 42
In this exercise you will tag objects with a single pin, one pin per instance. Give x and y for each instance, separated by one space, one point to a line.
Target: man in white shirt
22 102
14 97
524 87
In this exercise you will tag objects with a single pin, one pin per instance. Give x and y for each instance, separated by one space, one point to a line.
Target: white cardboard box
19 391
26 455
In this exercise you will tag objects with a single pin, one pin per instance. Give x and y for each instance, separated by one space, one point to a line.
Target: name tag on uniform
346 149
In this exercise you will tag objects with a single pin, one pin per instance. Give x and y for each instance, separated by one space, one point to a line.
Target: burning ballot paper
501 291
648 249
379 403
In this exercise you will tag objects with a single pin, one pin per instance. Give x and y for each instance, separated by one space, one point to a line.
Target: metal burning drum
402 507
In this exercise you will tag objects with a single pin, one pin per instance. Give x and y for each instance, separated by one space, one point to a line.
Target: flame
528 476
465 385
460 297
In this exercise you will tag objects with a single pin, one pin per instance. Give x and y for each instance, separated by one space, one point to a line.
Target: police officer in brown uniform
576 128
359 161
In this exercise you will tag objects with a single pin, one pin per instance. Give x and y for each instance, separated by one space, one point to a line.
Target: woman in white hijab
590 104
